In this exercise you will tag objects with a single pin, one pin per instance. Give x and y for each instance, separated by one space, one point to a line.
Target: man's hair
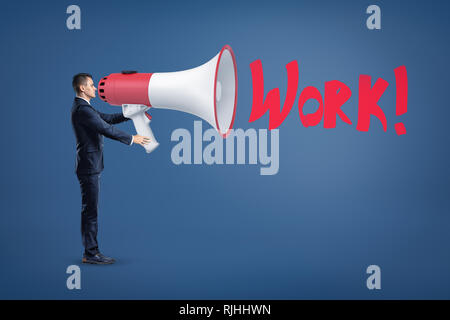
78 80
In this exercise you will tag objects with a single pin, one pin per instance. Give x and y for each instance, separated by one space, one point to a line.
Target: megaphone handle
142 124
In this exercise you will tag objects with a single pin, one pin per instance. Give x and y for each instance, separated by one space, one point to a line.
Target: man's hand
141 140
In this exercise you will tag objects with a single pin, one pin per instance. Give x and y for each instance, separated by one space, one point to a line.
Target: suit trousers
89 184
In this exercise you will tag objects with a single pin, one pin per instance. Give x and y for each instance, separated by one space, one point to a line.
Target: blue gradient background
342 199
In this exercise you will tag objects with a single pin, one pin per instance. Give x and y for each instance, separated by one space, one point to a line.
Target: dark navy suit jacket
90 126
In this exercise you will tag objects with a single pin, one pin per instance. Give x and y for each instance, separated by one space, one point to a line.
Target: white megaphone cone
208 91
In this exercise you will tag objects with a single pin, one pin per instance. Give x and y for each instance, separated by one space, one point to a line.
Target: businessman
89 126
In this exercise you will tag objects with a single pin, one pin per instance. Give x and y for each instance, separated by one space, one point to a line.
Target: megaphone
208 91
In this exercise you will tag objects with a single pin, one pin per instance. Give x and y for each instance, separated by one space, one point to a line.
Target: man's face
89 89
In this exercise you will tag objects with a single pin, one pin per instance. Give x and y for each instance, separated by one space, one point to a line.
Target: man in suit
90 126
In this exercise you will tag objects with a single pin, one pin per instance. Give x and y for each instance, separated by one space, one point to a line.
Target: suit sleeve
91 119
113 118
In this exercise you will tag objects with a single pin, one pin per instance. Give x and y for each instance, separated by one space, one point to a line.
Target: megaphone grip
142 125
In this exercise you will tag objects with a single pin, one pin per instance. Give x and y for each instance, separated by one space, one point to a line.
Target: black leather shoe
97 259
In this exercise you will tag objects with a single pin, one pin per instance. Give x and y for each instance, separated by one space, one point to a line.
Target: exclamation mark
401 81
